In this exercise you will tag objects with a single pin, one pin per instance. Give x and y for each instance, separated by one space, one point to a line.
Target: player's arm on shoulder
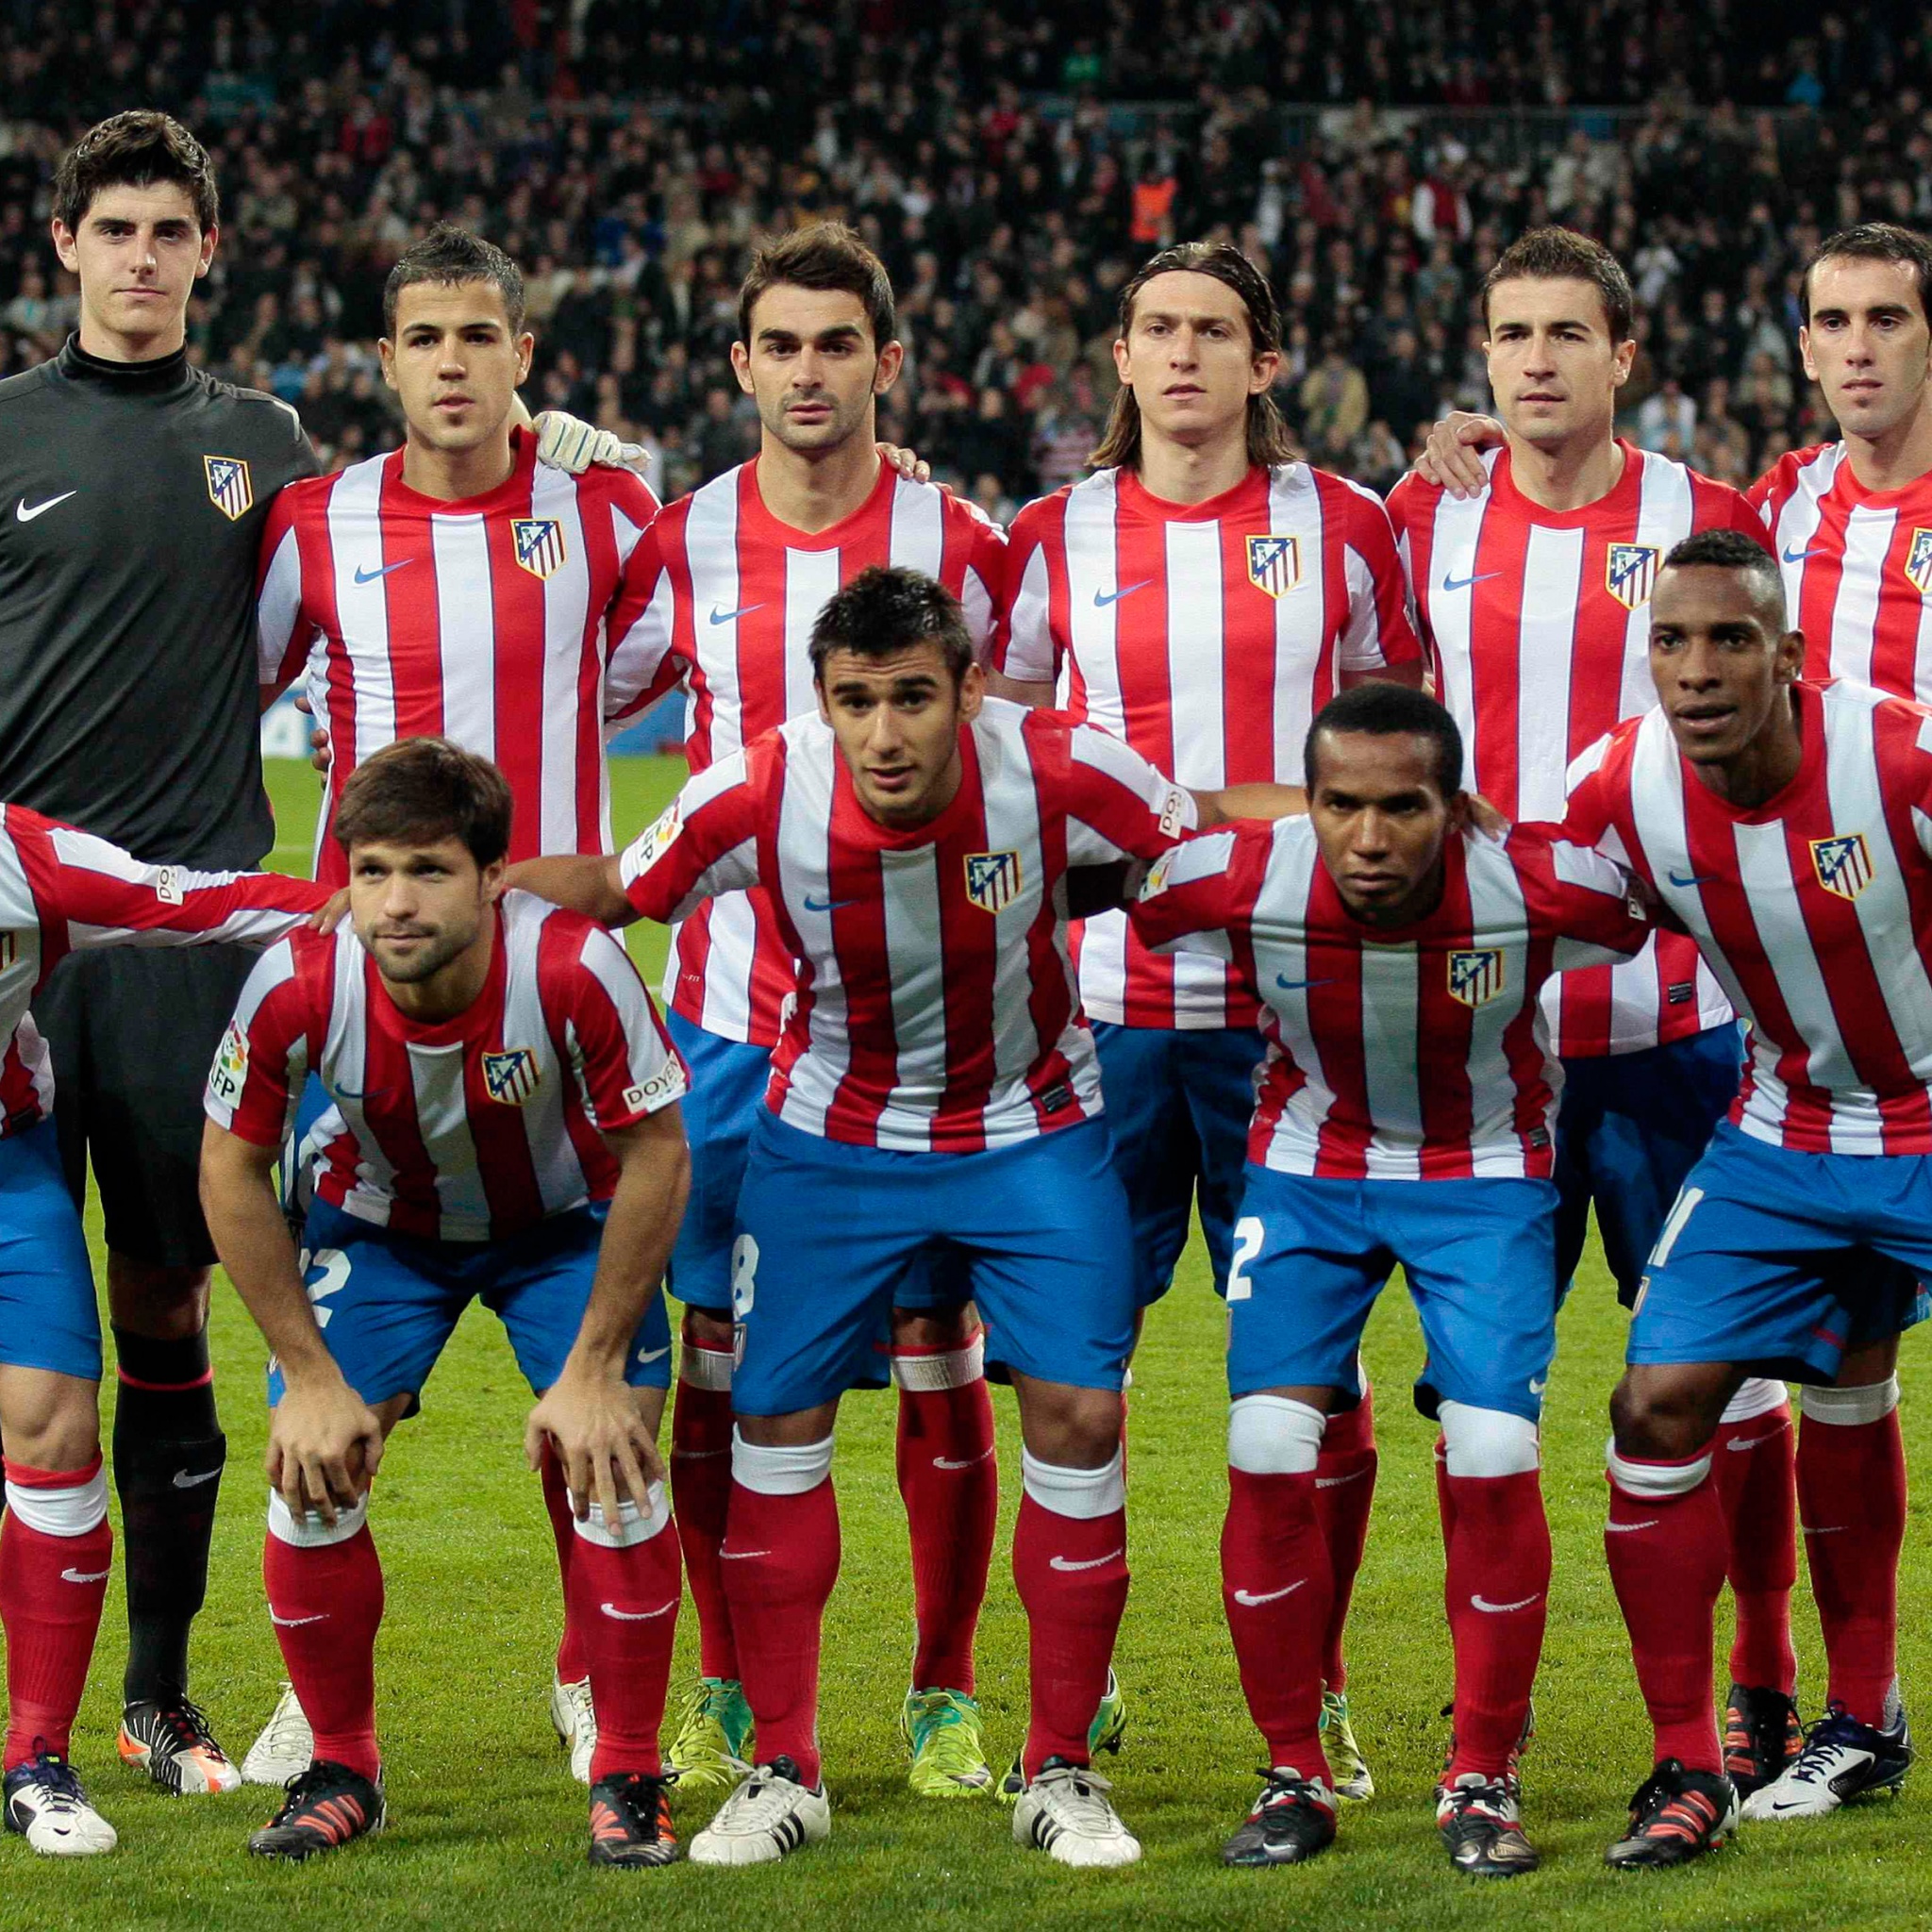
1582 895
587 882
1190 898
1452 458
1379 642
707 840
1118 805
1232 802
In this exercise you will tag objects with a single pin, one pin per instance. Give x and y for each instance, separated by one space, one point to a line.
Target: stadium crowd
1010 171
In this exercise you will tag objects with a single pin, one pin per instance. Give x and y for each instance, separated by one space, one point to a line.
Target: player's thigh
149 1022
1480 1256
1044 1224
386 1306
1152 1143
1218 1078
1305 1271
48 1317
539 1283
729 1079
826 1234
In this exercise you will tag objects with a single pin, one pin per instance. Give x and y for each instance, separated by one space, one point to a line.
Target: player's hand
607 1451
1484 816
331 915
1452 458
320 755
907 462
567 442
324 1445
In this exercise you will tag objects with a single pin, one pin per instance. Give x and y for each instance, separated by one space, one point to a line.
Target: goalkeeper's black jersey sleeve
132 497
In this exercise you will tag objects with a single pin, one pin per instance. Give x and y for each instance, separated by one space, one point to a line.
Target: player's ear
1262 372
972 691
741 366
386 355
1791 657
1459 812
891 359
1622 356
64 245
1805 350
210 237
492 880
1122 360
527 347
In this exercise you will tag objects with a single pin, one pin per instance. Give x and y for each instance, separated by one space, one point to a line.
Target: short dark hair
1268 439
422 791
1561 255
1390 710
1873 242
450 256
134 150
1723 549
825 254
887 608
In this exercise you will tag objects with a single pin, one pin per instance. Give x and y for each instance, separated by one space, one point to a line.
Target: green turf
489 1832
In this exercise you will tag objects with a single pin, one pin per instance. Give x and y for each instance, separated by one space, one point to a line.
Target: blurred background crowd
1011 163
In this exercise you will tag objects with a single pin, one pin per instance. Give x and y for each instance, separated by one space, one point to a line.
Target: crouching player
61 890
1404 1116
503 1127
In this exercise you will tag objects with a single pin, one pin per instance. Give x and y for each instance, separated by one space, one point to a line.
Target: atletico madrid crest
1274 564
1630 572
539 542
992 879
229 488
1844 864
1475 976
510 1076
1919 562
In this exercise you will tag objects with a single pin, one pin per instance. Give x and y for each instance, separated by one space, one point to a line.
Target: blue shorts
1783 1262
1035 1233
1630 1129
387 1303
1179 1104
48 1319
1311 1256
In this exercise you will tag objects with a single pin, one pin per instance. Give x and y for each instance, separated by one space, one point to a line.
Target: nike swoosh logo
83 1577
698 1455
1248 1597
1103 598
1799 556
382 570
1537 1387
1480 1602
1092 1562
970 1462
725 616
1335 1482
812 904
653 1355
25 515
184 1481
1299 985
637 1616
296 1622
1735 1447
1650 1522
1696 878
1450 583
740 1556
1827 1529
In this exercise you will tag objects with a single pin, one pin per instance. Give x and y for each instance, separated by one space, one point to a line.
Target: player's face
139 253
1190 360
454 363
1380 819
897 722
416 909
812 368
1554 369
1721 657
1868 345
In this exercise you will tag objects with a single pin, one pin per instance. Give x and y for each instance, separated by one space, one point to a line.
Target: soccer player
936 1091
503 1127
61 890
1404 1116
1202 595
1784 824
735 577
1533 593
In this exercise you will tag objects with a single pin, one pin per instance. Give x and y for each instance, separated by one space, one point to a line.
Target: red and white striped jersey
936 1005
498 621
731 595
61 890
1815 911
1208 635
1413 1053
1538 625
472 1129
1858 569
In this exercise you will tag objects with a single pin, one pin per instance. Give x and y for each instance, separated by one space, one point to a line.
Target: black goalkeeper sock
169 1451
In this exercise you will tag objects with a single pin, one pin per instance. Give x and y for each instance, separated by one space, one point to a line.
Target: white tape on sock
310 1532
1081 1494
1755 1398
1488 1441
634 1525
64 1509
1849 1408
773 1470
1274 1434
923 1371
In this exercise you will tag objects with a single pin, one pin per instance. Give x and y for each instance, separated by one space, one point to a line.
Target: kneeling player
1404 1117
503 1126
60 888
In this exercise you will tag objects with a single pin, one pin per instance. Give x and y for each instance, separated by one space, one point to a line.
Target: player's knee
50 1422
162 1303
1666 1411
704 1329
1274 1434
953 1327
1069 1427
1489 1441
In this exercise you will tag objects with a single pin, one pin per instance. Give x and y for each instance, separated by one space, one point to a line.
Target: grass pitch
488 1832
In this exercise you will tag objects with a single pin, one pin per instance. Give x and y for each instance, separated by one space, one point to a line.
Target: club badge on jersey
1274 564
992 879
229 486
539 545
1917 564
510 1076
1475 975
1630 572
1844 864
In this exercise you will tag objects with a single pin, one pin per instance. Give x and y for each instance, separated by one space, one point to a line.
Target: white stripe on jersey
566 612
361 608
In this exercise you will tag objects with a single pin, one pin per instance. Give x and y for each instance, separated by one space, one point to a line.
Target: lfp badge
1475 975
539 545
1844 864
510 1076
1274 564
992 879
1630 572
228 486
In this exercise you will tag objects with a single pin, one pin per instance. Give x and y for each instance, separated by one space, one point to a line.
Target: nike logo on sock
83 1577
970 1462
698 1455
1752 1442
637 1616
1335 1482
1482 1603
296 1622
1091 1563
740 1556
1825 1530
1251 1601
184 1480
1650 1523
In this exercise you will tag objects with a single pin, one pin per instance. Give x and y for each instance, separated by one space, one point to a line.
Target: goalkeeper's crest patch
229 1074
229 488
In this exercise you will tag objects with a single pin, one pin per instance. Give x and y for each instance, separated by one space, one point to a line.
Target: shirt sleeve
1192 900
705 841
1022 643
263 1058
1118 806
282 635
983 587
1591 905
615 1043
643 665
1380 634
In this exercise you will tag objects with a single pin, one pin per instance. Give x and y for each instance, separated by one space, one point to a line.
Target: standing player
1403 1115
1784 824
936 1091
735 577
1202 595
1533 593
61 890
503 1125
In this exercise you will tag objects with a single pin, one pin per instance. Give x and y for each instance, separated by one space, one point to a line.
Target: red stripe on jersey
496 1130
1445 1029
601 558
414 616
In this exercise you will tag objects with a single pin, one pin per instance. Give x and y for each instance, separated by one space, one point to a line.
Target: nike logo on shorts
654 1354
1480 1602
638 1616
1091 1563
1248 1597
184 1480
